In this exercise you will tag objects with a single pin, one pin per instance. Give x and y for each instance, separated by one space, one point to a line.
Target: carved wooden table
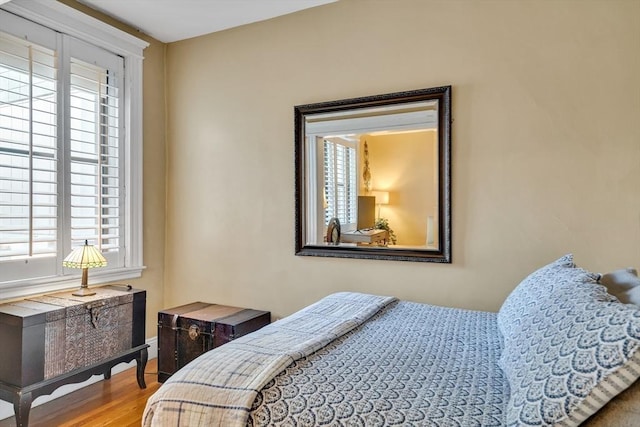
58 339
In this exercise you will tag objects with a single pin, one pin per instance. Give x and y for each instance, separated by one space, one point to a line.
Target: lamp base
84 289
83 292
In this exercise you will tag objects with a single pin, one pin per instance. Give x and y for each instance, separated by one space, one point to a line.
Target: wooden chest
187 331
59 338
61 332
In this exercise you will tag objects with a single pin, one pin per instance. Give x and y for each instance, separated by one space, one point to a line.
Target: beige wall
545 144
546 152
546 157
154 175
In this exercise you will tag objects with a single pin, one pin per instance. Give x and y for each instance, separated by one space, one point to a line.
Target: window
340 182
96 185
70 168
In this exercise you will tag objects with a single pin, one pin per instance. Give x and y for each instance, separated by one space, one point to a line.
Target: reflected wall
405 166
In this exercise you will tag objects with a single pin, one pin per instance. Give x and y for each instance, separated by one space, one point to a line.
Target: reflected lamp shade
382 197
84 257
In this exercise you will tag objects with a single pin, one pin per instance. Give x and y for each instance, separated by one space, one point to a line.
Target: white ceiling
173 20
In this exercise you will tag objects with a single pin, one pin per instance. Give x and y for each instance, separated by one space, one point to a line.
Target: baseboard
6 408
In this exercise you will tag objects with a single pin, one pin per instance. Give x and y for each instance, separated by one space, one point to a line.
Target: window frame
64 19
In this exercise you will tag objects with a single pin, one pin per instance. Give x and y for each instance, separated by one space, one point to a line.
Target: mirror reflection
378 167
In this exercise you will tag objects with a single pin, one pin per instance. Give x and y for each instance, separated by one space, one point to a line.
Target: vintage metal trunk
47 336
186 332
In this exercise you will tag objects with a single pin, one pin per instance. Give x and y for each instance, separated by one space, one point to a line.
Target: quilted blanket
409 365
219 387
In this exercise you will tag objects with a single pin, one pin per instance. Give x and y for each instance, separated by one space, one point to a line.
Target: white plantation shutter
340 182
28 153
95 123
65 154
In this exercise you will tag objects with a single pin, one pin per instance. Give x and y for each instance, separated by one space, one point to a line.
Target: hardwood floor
117 402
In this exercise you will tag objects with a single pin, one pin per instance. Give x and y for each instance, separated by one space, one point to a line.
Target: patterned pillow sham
569 346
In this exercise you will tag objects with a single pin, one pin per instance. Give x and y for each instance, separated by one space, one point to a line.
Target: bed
561 349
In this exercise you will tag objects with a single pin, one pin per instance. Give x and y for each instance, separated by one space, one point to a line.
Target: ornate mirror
378 167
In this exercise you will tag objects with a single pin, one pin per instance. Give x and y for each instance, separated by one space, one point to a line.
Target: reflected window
340 181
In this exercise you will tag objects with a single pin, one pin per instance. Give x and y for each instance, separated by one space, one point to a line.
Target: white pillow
623 284
569 346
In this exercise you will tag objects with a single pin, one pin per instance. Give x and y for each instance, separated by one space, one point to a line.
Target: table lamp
84 257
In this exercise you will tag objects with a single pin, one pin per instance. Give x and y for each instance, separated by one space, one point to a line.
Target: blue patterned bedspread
410 364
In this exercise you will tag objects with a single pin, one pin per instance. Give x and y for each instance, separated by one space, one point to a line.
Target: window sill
19 289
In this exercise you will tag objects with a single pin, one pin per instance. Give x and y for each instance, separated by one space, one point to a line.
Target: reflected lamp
84 257
382 198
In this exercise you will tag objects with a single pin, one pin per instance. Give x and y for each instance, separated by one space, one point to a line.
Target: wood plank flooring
117 402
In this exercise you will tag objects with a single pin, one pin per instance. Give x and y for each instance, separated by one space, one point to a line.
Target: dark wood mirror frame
440 255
